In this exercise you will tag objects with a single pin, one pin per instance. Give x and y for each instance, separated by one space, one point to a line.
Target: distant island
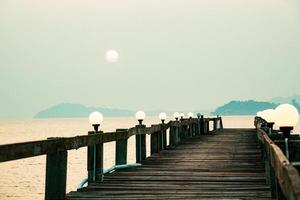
291 99
72 110
249 107
69 110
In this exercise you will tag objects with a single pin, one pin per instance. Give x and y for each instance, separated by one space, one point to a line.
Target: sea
25 178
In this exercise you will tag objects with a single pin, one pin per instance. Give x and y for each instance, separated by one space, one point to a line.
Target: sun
111 56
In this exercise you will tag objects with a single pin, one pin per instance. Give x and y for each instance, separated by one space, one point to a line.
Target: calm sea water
25 178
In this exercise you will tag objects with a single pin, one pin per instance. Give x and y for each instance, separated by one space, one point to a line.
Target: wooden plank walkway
222 165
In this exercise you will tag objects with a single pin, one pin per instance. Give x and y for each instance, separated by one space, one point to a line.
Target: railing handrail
14 151
286 174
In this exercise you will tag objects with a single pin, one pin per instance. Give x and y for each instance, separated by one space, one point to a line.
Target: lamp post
174 132
140 116
95 151
176 115
95 119
162 136
198 125
162 116
191 127
181 116
140 137
287 117
190 115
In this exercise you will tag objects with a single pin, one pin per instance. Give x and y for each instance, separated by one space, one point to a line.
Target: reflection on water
25 178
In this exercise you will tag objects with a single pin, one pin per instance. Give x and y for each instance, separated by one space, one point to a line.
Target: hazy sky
174 54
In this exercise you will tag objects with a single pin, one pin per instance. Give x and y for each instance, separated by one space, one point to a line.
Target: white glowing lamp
95 119
162 116
190 115
270 115
286 115
112 56
258 114
140 115
263 114
198 115
181 115
176 115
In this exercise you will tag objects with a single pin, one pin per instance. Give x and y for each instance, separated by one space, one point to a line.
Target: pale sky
174 54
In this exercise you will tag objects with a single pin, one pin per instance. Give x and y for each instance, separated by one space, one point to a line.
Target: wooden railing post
202 125
221 123
56 175
95 161
121 150
207 126
194 129
177 133
140 143
164 137
215 124
161 139
182 130
174 133
171 135
154 143
199 126
191 128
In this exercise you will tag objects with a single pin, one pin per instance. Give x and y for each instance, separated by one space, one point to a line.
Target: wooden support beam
56 175
140 141
154 143
215 124
221 123
202 125
160 140
121 150
95 161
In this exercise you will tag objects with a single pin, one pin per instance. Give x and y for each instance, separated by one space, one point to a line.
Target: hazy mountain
66 110
285 99
250 107
69 110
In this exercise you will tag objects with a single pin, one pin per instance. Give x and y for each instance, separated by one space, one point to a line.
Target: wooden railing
281 175
56 149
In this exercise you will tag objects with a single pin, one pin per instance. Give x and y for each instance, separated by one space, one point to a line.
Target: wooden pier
197 162
221 164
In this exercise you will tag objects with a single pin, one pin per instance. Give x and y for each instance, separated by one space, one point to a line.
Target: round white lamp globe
270 115
286 115
263 114
95 118
162 116
190 115
182 115
111 56
258 114
140 115
176 115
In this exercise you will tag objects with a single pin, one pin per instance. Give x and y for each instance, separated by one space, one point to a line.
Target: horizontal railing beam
41 147
287 175
36 148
